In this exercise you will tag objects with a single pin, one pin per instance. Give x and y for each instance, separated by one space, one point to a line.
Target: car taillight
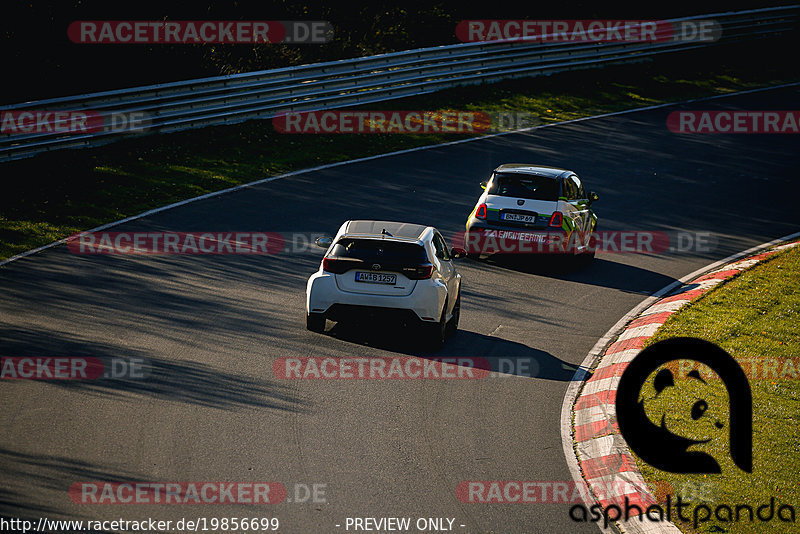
334 266
419 272
556 219
480 213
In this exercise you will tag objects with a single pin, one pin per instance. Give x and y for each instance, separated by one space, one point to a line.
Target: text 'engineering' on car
532 209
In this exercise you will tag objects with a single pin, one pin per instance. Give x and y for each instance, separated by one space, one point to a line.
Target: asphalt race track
212 326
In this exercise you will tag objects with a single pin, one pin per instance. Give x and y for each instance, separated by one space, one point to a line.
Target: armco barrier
231 99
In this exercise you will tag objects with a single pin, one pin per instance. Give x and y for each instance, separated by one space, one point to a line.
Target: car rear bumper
346 312
323 296
488 238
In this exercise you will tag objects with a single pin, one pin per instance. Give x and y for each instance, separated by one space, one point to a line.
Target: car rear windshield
378 250
524 186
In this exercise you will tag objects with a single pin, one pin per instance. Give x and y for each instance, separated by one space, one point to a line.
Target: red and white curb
600 452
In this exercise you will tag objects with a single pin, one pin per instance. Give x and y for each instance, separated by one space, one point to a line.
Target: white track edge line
387 154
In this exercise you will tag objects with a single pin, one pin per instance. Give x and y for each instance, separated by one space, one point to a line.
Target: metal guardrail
223 100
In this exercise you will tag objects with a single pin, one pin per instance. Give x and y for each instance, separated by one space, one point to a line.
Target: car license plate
376 278
517 217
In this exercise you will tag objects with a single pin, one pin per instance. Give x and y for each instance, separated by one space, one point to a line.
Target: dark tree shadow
171 380
55 473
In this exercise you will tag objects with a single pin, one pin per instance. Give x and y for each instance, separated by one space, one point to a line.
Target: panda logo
675 402
659 438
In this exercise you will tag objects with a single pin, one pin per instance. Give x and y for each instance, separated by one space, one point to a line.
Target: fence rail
172 107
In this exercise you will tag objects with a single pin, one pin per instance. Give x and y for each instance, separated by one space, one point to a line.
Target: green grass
53 195
755 317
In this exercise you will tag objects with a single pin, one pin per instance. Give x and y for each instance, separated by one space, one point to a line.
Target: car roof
527 168
395 230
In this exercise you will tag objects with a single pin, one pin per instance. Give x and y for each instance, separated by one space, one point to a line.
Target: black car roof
395 229
528 168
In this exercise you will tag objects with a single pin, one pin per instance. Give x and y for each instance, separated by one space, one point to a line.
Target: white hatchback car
399 270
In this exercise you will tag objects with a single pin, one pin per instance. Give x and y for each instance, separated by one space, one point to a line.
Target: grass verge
755 317
51 196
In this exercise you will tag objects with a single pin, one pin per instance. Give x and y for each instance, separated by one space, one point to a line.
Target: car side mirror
457 253
483 184
593 197
323 242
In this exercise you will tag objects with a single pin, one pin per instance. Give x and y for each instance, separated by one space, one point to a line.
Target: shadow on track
172 380
26 471
600 272
504 356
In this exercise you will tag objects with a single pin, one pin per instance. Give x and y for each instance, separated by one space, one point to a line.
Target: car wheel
587 257
436 333
584 260
452 325
315 322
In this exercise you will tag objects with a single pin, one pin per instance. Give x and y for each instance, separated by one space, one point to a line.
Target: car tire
315 322
452 324
587 257
584 260
436 333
